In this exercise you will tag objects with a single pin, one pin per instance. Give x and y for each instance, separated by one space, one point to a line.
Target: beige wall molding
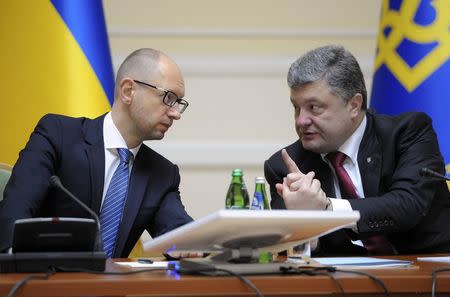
206 154
262 65
331 32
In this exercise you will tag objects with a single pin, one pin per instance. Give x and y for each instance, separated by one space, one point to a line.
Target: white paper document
155 264
361 262
434 259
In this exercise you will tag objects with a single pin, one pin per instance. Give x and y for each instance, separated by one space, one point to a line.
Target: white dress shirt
351 148
112 141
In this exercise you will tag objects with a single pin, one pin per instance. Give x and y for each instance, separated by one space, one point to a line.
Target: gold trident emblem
403 27
447 168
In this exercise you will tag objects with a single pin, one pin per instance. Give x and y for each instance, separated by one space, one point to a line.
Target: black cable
197 271
24 280
53 270
434 279
338 284
312 271
242 278
327 270
371 276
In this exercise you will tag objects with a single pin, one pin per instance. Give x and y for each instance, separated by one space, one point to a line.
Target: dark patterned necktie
375 245
112 209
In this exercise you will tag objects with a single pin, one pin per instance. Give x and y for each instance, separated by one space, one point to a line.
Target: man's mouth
305 135
167 125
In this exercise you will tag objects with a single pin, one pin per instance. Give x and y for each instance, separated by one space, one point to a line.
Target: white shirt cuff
340 204
343 205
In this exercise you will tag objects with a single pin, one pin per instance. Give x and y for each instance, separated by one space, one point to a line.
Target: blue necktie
112 209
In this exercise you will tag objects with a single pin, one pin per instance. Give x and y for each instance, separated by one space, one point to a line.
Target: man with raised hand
350 158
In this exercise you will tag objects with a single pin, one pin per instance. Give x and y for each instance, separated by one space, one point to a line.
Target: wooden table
415 281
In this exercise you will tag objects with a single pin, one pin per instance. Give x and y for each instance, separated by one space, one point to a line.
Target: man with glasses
104 162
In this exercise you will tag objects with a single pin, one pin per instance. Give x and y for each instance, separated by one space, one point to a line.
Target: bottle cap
237 172
260 180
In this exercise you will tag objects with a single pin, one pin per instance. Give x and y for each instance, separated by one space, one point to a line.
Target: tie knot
124 155
336 158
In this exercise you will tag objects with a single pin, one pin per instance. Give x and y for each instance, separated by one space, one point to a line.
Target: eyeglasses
170 98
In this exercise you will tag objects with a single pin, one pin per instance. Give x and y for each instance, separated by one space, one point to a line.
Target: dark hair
337 66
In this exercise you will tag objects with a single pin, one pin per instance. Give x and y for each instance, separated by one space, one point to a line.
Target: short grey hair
337 66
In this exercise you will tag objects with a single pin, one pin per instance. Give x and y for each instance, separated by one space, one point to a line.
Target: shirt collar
113 139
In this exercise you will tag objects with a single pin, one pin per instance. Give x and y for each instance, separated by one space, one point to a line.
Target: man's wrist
329 205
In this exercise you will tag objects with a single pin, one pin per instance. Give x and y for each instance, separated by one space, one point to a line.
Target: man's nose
303 118
174 113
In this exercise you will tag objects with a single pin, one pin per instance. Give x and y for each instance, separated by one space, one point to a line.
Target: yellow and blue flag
412 65
55 58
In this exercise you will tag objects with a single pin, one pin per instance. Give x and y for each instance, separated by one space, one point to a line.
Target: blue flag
412 65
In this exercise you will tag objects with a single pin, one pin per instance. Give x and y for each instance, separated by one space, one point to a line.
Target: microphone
56 182
426 172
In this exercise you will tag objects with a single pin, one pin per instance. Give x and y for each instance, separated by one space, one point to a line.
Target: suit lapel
325 175
137 186
308 161
95 152
370 159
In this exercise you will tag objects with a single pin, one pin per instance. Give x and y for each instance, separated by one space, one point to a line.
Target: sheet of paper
155 264
434 259
360 262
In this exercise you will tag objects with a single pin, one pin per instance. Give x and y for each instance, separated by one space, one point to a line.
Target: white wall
235 55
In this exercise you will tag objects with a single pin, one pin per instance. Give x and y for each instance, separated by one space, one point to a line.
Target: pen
145 261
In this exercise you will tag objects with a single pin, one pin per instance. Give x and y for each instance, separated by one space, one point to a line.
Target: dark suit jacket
411 211
73 149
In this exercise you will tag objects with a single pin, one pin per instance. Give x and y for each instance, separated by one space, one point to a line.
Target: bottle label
235 207
258 203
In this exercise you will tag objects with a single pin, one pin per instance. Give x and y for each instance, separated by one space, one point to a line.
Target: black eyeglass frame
183 104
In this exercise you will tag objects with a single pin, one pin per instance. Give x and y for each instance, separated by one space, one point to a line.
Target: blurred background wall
235 56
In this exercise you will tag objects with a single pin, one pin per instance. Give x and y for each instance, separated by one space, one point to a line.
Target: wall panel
235 55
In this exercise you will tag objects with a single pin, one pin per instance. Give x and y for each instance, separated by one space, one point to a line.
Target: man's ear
126 90
355 104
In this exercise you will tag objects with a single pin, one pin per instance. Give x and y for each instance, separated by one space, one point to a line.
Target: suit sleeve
171 213
29 181
405 197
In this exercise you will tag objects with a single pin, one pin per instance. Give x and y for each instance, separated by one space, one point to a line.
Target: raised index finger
290 164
